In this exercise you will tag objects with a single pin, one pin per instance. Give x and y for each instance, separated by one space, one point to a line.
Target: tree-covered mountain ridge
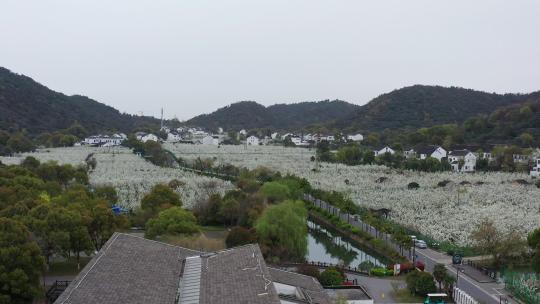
410 107
420 106
28 105
252 115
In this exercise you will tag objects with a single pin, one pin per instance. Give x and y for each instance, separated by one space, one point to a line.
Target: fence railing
344 268
56 290
461 297
492 273
355 221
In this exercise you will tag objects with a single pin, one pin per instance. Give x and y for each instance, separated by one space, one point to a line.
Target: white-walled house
148 137
535 171
274 135
437 152
210 140
520 158
467 157
356 137
252 141
104 140
409 153
242 132
284 136
173 137
383 150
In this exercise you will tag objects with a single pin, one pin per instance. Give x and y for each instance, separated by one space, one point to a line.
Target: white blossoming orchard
130 174
444 213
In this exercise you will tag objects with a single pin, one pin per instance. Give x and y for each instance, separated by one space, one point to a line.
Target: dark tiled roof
458 153
309 285
132 269
237 276
428 150
129 269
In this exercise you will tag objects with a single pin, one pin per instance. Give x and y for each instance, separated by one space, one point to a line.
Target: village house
173 137
520 158
198 134
266 140
252 141
242 132
437 152
210 140
409 153
384 150
297 141
462 160
132 269
535 171
355 137
144 137
104 140
284 136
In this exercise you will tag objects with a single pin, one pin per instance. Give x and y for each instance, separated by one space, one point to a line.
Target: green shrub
420 283
331 277
381 272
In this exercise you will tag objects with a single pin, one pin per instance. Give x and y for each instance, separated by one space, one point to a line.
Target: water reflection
327 246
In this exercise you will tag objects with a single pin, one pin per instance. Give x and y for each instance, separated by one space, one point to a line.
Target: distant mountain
251 115
423 106
26 104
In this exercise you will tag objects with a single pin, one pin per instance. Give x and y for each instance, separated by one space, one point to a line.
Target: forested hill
423 106
251 115
26 104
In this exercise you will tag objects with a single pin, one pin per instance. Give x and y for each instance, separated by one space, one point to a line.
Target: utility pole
161 119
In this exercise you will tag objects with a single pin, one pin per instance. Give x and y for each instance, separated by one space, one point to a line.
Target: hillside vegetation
423 106
26 104
251 115
516 124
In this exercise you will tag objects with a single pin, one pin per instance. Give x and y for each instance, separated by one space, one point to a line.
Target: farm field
130 174
444 213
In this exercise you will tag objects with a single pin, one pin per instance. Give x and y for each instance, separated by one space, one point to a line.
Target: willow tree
282 230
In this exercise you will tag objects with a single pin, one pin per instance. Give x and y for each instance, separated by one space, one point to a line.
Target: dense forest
423 106
251 115
517 124
28 105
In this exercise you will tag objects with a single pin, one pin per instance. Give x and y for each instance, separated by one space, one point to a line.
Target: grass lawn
404 296
209 239
67 267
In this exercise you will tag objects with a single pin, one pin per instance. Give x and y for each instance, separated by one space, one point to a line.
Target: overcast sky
191 57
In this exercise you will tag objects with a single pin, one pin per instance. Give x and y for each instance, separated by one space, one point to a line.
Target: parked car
420 244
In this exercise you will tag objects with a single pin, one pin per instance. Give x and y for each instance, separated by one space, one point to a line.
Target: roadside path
489 293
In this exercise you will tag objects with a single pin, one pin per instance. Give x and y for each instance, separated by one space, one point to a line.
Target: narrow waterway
325 245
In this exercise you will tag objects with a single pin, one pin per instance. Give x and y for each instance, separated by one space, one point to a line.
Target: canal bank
373 246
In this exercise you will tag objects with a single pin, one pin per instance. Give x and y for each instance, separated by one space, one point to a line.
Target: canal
326 245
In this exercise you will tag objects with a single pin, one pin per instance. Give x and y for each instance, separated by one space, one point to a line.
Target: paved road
488 293
484 292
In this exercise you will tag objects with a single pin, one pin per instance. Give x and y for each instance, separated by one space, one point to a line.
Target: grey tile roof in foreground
236 276
308 285
131 269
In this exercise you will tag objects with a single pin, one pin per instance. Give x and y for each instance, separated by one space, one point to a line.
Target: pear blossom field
444 213
130 174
